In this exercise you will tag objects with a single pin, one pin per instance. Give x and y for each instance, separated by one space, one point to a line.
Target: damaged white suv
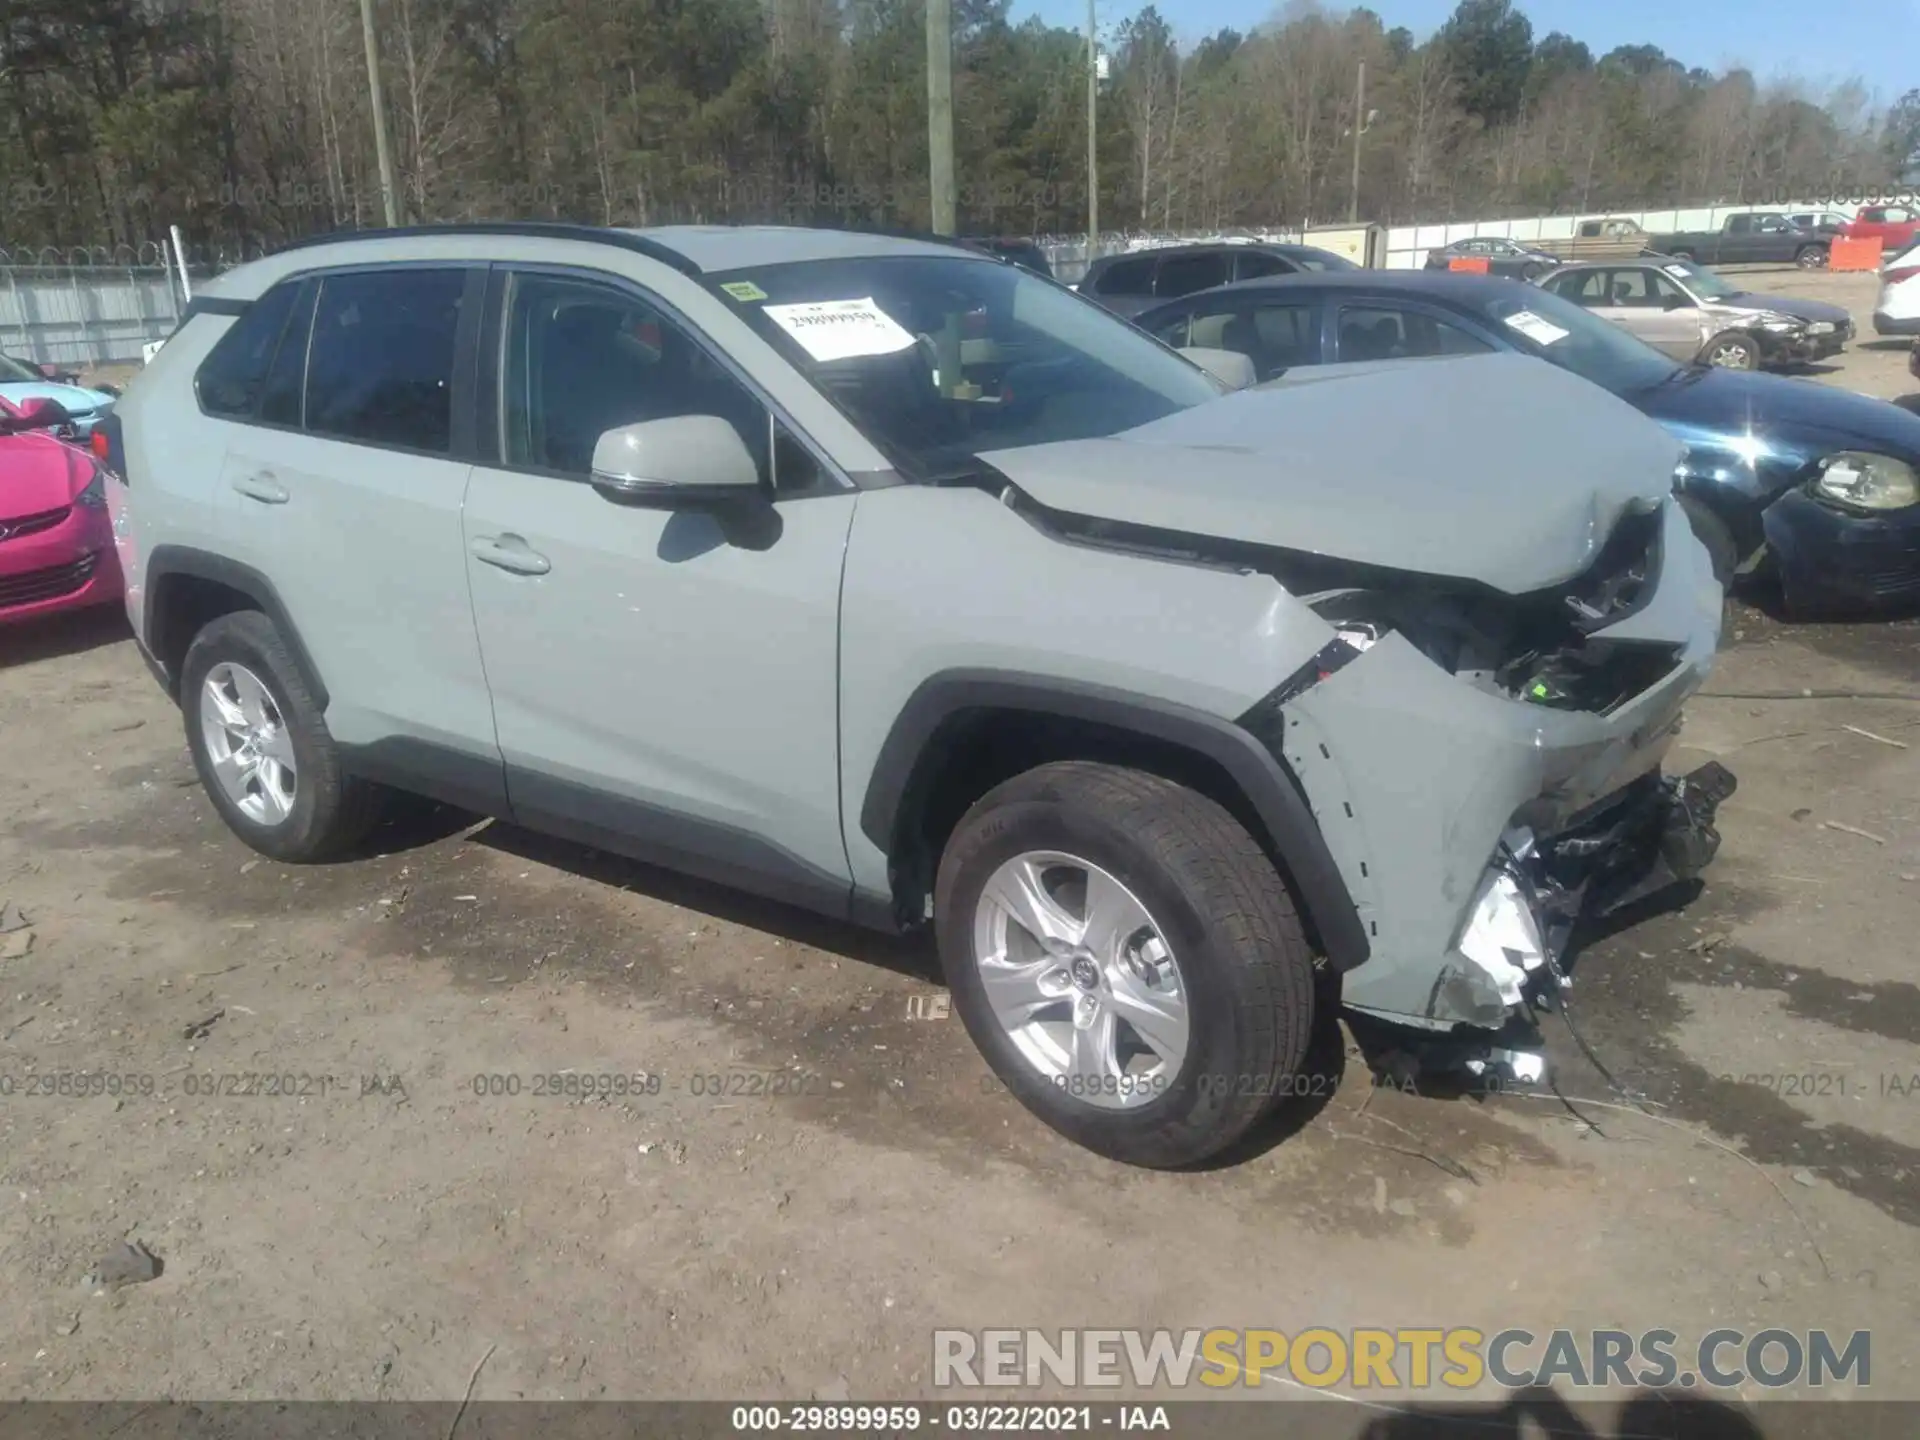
890 580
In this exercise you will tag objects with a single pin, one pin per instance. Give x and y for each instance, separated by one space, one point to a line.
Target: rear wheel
1811 257
1127 959
1732 351
262 747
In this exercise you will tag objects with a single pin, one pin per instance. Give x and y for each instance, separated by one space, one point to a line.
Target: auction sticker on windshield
1541 332
1679 272
841 329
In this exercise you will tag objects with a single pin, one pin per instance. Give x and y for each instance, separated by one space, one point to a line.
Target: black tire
1244 960
1714 534
1729 343
1679 254
1811 257
332 811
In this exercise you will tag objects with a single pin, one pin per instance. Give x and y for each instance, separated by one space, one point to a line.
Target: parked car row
1818 483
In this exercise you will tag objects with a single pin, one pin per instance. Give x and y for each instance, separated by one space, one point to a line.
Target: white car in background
1898 310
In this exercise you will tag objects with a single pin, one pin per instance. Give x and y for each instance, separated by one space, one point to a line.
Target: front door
664 681
1644 302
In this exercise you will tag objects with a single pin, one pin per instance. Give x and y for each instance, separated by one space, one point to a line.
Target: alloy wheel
248 744
1082 979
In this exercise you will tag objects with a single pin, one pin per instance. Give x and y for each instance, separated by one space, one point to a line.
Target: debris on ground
1803 1177
1852 830
12 918
67 1326
128 1263
201 1029
17 945
1707 944
1868 734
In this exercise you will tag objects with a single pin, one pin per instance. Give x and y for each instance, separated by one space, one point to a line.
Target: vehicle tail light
97 443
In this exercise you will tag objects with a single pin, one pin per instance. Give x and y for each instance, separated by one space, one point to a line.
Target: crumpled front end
1488 771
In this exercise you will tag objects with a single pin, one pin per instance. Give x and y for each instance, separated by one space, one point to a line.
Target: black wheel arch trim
1262 779
182 560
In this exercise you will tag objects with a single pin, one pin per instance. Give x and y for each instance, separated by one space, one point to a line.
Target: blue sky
1876 41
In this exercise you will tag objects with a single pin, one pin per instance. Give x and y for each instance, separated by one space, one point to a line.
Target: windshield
1703 282
1558 330
939 357
12 372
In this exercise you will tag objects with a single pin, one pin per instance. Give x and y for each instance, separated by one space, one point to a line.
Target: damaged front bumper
1656 833
1475 829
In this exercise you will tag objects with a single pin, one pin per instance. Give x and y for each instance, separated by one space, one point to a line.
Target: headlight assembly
1781 323
1859 480
94 496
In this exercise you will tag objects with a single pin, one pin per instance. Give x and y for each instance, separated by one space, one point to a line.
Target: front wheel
1127 959
1732 351
1811 257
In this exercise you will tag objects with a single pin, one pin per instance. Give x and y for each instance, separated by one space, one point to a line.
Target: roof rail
542 229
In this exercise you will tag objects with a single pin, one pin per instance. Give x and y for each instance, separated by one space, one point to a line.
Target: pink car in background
56 541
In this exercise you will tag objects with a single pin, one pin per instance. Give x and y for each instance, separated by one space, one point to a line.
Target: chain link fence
87 306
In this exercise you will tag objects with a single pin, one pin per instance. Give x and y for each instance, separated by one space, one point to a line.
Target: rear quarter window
230 378
1126 277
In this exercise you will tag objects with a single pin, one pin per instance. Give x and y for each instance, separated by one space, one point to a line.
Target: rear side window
1184 274
1386 332
1254 264
380 364
231 376
1126 277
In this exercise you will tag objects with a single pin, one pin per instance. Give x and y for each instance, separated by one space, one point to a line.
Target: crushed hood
1496 468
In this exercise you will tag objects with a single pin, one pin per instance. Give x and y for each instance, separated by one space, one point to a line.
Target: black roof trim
536 229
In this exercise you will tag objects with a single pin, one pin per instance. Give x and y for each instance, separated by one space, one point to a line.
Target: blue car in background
20 380
1820 484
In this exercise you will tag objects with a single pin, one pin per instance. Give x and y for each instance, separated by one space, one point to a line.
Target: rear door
344 487
1124 285
664 681
1277 333
1382 329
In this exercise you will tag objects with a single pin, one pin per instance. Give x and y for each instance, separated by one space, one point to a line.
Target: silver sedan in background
1693 314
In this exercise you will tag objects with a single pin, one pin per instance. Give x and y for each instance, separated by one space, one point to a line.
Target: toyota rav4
889 580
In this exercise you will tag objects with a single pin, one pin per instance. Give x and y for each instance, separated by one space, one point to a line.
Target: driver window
580 359
1667 294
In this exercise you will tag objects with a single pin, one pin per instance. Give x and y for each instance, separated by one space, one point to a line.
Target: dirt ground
827 1173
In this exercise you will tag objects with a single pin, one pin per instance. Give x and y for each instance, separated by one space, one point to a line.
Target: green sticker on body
744 290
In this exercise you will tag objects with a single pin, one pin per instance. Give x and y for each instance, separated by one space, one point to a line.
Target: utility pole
940 114
388 193
1093 130
1359 127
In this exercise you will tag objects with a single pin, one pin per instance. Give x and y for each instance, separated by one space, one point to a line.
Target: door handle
262 487
510 553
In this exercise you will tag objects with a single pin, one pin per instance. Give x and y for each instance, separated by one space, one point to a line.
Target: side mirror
1229 367
685 462
41 413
